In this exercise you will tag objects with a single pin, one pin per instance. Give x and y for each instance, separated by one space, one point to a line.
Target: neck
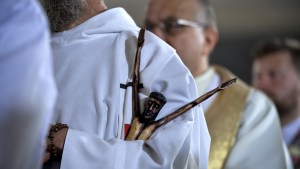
92 9
200 69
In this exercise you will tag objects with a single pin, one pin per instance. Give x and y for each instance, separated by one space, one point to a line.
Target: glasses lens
170 25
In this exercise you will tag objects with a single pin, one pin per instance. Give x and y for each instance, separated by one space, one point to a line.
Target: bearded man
242 121
276 71
94 51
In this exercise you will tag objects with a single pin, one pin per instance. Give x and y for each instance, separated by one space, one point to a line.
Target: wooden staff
136 126
136 74
146 133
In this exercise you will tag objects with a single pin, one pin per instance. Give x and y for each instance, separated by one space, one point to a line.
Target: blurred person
94 51
243 122
276 71
26 82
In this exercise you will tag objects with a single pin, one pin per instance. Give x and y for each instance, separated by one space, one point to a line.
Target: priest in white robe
242 122
251 128
93 60
27 85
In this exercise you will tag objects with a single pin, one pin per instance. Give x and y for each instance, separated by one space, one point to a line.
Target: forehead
155 100
275 60
161 9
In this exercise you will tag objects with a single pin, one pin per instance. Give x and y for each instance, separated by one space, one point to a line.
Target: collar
114 20
290 130
204 81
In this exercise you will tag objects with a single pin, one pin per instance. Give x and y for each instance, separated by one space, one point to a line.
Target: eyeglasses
171 25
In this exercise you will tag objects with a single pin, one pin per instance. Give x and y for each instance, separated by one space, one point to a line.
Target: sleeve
259 144
26 82
182 143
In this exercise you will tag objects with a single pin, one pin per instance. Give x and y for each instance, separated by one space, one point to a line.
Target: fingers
135 129
59 139
46 156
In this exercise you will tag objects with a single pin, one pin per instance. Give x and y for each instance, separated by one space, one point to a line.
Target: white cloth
259 142
206 82
289 131
91 61
26 83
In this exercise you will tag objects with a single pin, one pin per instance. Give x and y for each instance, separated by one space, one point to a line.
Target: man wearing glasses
242 122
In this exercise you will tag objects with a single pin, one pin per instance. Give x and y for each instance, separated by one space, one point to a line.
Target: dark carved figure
152 106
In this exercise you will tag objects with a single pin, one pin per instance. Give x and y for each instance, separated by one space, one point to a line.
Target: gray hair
62 13
207 14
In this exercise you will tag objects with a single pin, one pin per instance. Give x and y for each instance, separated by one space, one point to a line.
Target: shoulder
258 98
259 135
156 54
155 42
161 52
153 45
258 109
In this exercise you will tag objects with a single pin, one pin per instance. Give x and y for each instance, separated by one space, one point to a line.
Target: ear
211 39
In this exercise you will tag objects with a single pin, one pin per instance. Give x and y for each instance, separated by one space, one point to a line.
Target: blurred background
241 24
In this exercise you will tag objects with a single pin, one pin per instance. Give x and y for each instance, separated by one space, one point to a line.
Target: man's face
276 76
152 108
188 41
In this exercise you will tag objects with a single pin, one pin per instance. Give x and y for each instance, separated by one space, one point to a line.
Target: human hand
59 140
46 156
55 141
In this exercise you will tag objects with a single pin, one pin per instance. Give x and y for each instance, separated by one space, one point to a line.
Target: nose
151 107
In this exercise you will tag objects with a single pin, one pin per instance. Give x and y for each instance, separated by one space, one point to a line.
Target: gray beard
62 13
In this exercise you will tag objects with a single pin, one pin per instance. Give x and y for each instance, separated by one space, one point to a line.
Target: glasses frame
185 22
170 23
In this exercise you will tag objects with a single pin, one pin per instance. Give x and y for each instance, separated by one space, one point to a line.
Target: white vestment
91 61
259 143
27 85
